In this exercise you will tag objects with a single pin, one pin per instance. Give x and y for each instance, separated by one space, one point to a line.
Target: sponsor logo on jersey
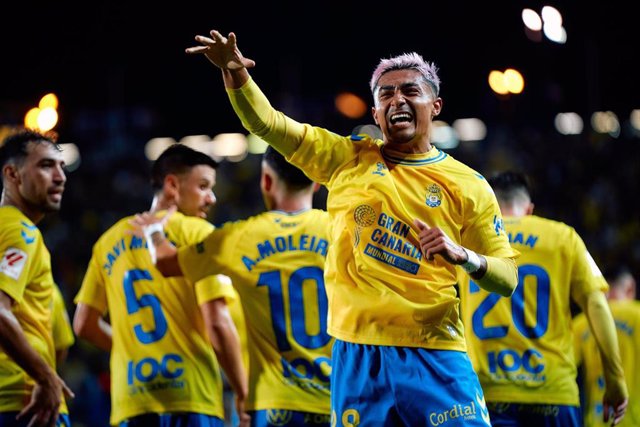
279 417
13 262
364 216
28 232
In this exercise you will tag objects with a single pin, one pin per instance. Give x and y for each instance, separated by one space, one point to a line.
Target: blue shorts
181 419
504 414
284 417
8 419
404 386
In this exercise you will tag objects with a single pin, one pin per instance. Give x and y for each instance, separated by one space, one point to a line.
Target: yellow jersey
522 347
381 290
161 358
61 325
275 261
626 315
25 275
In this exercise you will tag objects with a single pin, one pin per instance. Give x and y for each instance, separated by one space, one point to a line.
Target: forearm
226 344
167 257
260 118
14 342
89 325
100 336
499 276
603 329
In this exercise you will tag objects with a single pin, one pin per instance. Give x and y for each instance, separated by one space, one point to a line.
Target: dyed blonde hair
411 61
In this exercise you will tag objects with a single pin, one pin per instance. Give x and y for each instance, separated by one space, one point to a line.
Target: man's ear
316 186
171 185
373 113
267 182
530 209
437 106
10 173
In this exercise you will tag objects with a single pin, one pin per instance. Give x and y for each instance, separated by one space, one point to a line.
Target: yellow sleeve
214 287
579 328
211 255
586 277
92 291
501 276
260 118
62 333
603 328
16 258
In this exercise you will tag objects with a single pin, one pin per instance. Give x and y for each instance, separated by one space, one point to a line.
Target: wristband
473 261
149 231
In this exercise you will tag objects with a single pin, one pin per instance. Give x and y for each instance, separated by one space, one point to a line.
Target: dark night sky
106 54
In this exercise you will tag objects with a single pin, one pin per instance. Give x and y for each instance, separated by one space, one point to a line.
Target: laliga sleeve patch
13 262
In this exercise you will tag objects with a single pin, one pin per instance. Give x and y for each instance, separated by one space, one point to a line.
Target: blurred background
551 89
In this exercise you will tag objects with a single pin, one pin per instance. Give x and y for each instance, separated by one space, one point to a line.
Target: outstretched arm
250 104
603 328
493 274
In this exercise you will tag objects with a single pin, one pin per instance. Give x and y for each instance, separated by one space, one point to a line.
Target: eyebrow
403 85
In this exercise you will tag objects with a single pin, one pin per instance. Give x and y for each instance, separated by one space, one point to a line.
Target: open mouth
400 118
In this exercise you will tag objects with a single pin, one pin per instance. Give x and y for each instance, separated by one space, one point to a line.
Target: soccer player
522 347
626 314
33 178
63 337
275 261
404 214
166 336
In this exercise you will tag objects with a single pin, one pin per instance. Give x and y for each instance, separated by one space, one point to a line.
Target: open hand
221 51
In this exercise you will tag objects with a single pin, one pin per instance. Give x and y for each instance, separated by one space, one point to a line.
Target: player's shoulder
15 226
184 229
551 226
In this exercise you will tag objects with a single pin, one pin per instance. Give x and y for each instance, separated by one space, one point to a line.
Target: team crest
380 168
434 196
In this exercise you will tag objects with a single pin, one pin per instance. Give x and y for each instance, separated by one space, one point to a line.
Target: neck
160 203
419 147
35 215
293 203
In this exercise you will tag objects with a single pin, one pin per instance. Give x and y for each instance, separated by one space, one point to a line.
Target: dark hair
293 177
510 185
177 159
14 146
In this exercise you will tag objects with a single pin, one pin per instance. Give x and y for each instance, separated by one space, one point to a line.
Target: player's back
276 262
161 359
521 346
626 315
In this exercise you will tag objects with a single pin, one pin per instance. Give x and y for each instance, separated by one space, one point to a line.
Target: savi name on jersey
303 242
119 248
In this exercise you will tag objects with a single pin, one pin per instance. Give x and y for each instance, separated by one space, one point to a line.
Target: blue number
134 304
272 281
517 307
542 301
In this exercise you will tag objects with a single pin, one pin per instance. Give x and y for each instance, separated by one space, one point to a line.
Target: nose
59 177
398 98
211 198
